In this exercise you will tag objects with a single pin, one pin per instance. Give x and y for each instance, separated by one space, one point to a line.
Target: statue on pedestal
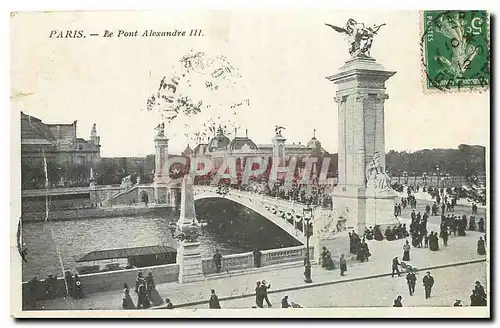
376 176
126 182
160 130
278 130
360 38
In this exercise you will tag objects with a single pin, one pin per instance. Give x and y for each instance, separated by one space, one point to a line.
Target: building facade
220 147
69 158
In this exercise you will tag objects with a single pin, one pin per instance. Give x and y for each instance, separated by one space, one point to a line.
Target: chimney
246 133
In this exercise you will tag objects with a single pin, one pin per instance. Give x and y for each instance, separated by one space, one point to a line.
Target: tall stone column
161 170
360 98
279 156
188 251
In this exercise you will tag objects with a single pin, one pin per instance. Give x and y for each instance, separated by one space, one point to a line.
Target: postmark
455 50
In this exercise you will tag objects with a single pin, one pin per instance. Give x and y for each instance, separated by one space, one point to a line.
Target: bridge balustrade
246 260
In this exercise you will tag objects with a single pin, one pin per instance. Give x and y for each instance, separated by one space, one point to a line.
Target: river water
232 229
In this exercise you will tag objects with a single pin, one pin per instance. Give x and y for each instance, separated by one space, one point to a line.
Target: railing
229 262
246 260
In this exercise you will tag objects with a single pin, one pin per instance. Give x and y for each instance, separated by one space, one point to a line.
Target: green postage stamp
455 50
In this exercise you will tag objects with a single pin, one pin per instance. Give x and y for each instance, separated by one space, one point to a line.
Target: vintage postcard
250 163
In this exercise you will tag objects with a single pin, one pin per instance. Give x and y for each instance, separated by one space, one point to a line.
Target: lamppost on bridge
307 214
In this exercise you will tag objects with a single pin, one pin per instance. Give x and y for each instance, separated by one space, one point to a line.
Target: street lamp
307 214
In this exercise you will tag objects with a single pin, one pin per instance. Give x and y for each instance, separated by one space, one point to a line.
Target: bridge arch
262 207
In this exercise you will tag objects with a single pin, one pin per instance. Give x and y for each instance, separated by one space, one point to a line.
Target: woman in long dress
406 251
127 302
153 294
481 250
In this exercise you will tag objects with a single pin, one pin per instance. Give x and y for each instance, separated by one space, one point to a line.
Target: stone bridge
285 214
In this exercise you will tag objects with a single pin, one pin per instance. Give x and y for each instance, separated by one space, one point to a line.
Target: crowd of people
49 288
358 247
391 233
147 295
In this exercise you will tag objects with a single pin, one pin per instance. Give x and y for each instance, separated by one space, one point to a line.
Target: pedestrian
213 303
343 264
259 300
217 260
264 289
411 280
444 235
143 300
397 302
474 299
481 250
395 266
139 281
480 290
406 251
284 303
70 283
169 304
150 283
127 303
366 251
257 258
428 282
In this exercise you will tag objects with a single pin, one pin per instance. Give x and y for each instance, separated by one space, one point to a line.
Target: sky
283 57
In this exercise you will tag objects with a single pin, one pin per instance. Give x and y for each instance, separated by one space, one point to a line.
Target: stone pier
360 98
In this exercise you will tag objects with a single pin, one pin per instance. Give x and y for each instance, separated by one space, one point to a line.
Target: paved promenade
237 290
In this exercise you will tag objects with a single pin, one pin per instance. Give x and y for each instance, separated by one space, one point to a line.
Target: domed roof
219 142
243 143
314 143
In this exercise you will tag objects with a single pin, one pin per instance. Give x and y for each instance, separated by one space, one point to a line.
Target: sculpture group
360 38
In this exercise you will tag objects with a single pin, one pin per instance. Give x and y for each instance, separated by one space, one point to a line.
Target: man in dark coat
259 300
217 260
411 280
444 235
428 282
213 303
395 266
257 257
264 289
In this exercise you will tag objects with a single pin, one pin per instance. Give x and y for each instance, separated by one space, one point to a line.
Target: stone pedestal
360 98
189 260
365 208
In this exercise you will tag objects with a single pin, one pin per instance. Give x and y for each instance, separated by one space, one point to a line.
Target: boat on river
125 258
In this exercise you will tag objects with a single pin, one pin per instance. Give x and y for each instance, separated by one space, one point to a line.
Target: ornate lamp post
424 175
307 214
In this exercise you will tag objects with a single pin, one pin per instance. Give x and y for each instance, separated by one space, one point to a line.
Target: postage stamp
455 50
